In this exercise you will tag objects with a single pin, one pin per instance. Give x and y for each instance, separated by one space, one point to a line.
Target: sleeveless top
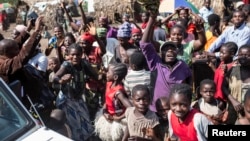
185 130
113 105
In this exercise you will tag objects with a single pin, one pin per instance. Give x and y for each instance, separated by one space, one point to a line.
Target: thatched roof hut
114 8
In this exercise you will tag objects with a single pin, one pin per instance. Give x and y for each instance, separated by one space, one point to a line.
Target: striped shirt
134 78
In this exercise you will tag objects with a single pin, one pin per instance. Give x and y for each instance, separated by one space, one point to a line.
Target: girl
142 123
236 83
184 122
213 108
71 76
245 120
110 125
56 42
69 39
227 53
186 50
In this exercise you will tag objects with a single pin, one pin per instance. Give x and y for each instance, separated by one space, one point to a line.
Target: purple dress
165 77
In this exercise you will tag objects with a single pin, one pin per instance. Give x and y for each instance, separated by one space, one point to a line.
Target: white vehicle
17 124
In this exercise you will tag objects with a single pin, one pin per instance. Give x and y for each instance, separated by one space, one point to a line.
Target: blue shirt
204 13
241 36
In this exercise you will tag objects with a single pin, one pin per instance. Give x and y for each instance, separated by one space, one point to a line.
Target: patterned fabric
124 30
76 110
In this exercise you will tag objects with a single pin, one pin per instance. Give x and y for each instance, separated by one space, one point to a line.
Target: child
110 125
236 83
163 107
142 123
53 67
225 23
213 108
137 74
69 39
245 120
227 53
184 122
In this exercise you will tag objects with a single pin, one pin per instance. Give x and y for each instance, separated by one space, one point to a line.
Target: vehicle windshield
14 119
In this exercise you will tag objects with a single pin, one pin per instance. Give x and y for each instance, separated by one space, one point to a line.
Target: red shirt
110 98
191 28
218 80
185 130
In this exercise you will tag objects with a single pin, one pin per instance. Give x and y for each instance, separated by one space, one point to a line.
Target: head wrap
101 32
22 29
88 37
239 3
136 30
124 30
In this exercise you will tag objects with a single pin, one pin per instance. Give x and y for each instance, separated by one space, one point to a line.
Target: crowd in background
136 82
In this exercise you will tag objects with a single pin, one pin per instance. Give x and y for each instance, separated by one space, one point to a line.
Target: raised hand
38 23
91 29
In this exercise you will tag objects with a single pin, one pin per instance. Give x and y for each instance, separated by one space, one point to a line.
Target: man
206 10
238 33
12 58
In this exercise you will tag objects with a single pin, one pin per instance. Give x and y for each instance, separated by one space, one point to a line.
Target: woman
72 77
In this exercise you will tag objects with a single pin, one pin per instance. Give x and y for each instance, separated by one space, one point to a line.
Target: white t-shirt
40 61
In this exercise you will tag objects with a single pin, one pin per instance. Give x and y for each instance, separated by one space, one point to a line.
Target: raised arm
201 41
84 19
71 22
92 31
168 18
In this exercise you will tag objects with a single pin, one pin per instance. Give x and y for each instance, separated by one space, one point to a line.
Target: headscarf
124 30
101 32
22 29
136 30
88 37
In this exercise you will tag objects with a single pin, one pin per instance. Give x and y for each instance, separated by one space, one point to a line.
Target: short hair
207 81
59 26
213 19
184 22
159 100
140 87
245 47
247 95
71 36
138 59
239 11
120 69
178 26
74 46
55 59
232 47
6 46
181 89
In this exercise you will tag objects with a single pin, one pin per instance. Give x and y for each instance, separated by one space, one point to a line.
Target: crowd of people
134 82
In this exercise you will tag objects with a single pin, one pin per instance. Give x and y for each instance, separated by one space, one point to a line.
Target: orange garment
210 39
